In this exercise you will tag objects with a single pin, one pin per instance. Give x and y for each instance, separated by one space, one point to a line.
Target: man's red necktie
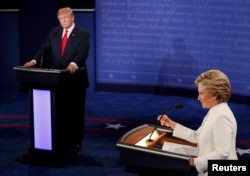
64 41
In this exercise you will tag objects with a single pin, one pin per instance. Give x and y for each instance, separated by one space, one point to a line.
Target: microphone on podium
176 107
41 61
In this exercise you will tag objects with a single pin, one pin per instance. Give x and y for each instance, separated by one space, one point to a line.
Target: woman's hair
216 83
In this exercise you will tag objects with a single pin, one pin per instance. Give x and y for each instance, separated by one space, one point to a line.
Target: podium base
50 159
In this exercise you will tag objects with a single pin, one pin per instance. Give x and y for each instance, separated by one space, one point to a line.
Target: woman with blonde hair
216 137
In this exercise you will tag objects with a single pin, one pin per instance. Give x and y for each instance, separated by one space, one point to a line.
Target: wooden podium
56 103
150 159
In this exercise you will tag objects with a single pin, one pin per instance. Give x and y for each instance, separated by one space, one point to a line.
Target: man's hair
65 10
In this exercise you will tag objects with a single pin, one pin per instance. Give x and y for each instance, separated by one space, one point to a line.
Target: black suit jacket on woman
76 50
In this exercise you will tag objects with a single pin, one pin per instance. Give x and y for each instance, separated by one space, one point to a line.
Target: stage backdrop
169 42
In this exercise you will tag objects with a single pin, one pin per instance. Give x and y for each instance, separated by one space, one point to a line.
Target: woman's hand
191 161
166 121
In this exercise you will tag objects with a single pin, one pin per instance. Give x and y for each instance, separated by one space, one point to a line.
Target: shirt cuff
73 63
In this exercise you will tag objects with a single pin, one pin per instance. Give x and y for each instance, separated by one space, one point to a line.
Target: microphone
176 107
42 58
41 61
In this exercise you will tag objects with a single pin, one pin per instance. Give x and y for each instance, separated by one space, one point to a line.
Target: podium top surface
50 78
152 157
40 70
132 137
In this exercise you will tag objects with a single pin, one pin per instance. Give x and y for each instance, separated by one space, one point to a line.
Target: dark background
78 4
26 26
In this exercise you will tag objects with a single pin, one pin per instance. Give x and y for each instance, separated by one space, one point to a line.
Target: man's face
66 19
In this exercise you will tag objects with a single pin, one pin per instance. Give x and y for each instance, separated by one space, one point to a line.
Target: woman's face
207 99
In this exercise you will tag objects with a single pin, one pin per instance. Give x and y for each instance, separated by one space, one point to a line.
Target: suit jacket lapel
58 40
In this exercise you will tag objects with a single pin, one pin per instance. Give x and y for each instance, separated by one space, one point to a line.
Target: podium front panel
42 119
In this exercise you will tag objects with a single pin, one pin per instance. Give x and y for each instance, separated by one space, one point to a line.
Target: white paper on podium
143 141
180 149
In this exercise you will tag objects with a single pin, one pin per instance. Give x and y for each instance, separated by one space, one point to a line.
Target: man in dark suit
72 57
76 49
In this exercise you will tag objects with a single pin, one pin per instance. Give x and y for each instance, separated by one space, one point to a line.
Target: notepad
180 149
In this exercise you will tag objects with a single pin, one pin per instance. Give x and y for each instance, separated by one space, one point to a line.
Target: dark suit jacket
76 49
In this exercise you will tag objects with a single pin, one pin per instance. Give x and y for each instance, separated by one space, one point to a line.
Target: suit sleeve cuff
73 63
34 61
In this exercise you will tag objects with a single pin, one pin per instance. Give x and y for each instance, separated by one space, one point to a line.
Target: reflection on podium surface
141 151
153 136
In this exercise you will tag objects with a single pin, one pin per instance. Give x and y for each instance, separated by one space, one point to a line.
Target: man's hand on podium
31 63
72 68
